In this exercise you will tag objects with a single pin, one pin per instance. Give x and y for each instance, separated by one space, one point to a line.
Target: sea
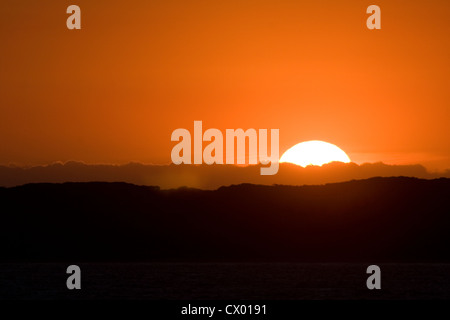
224 281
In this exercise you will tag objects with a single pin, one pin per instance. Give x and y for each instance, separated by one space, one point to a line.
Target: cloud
204 176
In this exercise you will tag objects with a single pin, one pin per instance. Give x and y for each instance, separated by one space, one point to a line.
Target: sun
314 153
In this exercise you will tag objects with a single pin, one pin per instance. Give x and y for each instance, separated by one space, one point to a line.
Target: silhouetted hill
204 176
379 219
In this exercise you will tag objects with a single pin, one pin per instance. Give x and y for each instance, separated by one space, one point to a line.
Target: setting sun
314 153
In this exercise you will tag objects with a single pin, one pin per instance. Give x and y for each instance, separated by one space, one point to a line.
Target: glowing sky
114 91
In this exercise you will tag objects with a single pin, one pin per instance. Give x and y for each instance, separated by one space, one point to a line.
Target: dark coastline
398 220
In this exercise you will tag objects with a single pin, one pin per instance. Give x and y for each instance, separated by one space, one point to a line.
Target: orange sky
114 91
